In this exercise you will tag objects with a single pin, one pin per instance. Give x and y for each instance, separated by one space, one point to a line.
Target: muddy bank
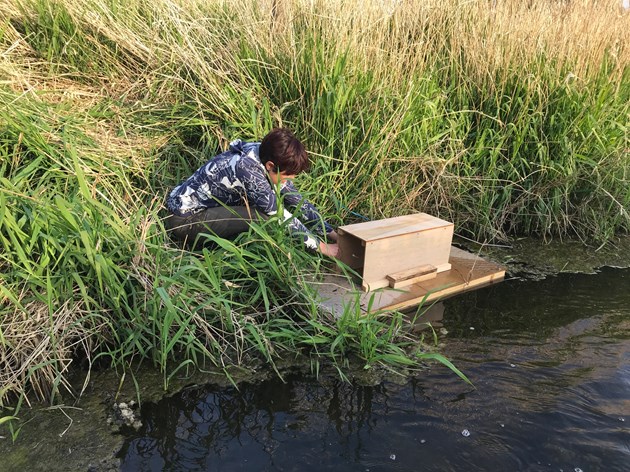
85 434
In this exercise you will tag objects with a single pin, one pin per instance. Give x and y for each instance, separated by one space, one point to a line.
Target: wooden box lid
392 227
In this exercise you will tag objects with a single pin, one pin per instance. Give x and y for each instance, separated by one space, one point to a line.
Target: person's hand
333 236
330 250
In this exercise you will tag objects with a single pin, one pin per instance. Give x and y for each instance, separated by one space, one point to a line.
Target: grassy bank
507 119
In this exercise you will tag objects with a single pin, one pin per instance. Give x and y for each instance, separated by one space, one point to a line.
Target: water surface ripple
550 363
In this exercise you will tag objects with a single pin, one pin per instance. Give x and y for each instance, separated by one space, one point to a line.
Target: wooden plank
408 277
468 272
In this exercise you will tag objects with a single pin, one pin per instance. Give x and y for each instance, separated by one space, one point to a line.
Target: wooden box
397 251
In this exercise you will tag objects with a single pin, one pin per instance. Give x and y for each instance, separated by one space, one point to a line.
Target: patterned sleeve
307 211
259 191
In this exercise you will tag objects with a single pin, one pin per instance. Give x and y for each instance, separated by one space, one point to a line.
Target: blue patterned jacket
238 176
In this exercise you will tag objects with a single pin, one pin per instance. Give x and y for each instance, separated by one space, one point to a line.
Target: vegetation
505 117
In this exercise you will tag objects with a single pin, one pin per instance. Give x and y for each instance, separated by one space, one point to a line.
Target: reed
505 117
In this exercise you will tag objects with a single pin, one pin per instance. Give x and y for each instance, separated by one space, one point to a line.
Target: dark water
550 361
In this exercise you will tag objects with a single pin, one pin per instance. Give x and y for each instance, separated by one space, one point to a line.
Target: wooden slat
411 276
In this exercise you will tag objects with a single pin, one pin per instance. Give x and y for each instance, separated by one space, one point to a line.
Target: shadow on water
550 361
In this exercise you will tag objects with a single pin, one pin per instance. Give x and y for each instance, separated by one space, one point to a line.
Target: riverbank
507 120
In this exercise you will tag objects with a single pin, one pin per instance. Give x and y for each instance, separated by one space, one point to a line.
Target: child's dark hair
287 153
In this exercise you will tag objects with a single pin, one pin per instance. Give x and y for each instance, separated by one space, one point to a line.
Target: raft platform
401 263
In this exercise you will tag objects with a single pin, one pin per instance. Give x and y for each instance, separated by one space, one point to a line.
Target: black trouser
225 222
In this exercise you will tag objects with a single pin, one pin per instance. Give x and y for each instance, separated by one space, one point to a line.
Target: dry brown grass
392 37
38 346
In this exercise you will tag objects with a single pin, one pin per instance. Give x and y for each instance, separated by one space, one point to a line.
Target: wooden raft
467 272
402 262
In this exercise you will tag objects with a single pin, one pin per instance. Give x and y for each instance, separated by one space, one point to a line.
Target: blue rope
341 205
357 214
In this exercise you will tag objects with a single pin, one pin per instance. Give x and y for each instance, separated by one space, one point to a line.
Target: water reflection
550 363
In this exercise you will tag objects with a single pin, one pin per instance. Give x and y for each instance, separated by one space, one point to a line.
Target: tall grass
506 117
